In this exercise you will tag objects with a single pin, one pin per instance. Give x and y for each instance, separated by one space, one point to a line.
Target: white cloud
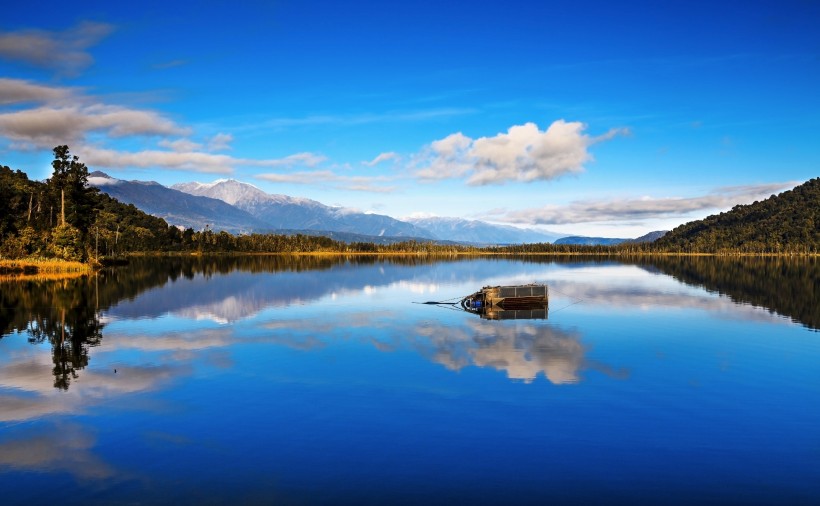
447 158
65 52
639 208
189 161
382 157
48 126
363 119
20 91
524 153
220 142
185 160
66 116
303 159
180 145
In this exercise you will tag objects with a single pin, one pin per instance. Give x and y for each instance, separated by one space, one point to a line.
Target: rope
445 301
577 300
568 305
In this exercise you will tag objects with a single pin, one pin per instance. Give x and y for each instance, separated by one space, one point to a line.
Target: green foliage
69 183
785 223
66 243
787 285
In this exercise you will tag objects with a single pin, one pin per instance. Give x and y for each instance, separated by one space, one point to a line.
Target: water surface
318 380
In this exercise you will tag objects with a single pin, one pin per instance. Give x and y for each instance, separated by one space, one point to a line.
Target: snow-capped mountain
285 212
234 206
479 232
176 207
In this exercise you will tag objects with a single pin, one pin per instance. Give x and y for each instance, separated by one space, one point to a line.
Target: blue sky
593 118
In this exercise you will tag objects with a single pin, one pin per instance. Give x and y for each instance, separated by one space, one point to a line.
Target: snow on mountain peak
238 193
98 178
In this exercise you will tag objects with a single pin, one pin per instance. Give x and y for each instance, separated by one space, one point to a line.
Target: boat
509 302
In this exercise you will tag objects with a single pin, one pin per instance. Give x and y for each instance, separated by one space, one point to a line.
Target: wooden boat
509 302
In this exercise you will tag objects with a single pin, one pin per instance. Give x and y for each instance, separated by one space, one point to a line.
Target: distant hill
789 221
608 241
650 237
349 237
176 207
479 232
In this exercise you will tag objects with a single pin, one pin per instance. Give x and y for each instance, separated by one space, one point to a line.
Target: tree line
65 218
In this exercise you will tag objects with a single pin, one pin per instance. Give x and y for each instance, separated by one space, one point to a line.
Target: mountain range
238 207
177 208
479 232
284 212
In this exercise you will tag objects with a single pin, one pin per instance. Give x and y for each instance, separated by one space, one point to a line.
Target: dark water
313 380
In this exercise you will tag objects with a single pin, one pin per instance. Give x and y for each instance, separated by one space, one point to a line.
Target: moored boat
509 302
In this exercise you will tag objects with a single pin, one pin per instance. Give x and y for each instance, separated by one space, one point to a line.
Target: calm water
303 381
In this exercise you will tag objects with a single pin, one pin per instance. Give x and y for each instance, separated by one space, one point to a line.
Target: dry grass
37 267
47 276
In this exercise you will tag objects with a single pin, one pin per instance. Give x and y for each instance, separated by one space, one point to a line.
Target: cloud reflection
30 392
65 448
522 351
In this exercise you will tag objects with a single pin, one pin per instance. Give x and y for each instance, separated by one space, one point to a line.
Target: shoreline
29 267
468 254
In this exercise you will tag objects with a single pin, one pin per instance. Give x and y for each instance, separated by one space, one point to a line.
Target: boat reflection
534 311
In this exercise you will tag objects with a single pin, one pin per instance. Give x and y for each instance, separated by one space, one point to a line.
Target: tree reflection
65 313
60 313
789 286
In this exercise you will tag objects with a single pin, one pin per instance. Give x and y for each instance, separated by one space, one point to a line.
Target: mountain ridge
239 207
285 212
480 232
176 207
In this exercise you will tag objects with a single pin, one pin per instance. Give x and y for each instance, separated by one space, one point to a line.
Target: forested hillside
65 218
784 223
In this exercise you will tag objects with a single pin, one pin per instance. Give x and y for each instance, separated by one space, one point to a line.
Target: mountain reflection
70 315
256 283
66 313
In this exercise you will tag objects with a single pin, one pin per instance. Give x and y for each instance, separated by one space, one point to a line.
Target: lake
305 380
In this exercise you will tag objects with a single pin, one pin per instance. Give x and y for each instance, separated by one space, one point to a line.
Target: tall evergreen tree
69 188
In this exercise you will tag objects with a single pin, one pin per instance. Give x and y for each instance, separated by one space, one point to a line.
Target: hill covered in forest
784 223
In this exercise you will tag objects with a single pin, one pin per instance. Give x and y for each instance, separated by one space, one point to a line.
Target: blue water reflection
326 383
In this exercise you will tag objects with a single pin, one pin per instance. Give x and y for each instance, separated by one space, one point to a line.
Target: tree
69 188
